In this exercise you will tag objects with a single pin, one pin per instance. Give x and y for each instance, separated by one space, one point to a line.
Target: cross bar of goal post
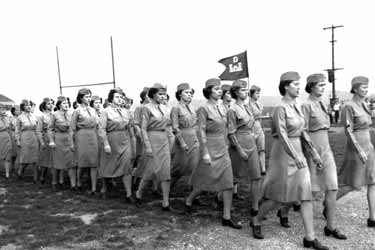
85 85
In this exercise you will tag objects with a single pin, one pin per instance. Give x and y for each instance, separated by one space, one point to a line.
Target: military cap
315 78
290 76
183 86
359 80
239 83
95 98
254 88
159 86
212 82
226 87
84 91
61 98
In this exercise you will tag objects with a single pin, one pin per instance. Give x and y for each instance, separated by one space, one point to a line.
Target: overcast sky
177 41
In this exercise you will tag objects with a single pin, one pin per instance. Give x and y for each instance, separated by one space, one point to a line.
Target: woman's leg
371 201
104 186
344 190
7 168
165 186
61 176
330 204
94 176
54 176
189 200
36 171
227 200
307 218
264 209
256 189
262 161
127 180
72 172
79 183
43 172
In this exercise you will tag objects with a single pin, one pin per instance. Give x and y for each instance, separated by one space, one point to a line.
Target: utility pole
58 69
331 72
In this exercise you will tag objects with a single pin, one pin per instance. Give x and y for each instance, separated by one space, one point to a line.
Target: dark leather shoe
230 223
296 207
370 223
284 221
335 233
314 244
168 209
239 197
54 188
130 200
257 232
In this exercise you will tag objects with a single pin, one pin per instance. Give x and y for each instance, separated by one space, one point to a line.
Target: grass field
37 218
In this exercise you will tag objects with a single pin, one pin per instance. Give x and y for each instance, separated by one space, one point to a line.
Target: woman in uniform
96 103
243 149
317 125
214 171
116 134
358 169
184 122
288 179
27 140
171 137
84 125
13 119
45 153
257 110
61 142
5 140
156 143
226 96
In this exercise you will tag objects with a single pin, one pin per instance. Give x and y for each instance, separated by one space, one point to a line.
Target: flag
235 67
331 76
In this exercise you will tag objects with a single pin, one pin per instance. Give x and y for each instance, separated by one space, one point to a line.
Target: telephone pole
331 72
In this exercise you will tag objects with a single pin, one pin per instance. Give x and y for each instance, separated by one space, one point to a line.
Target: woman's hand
363 157
149 152
185 148
318 162
243 155
207 159
52 145
300 163
72 148
107 149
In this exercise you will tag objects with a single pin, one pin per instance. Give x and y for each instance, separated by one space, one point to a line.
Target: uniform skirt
171 138
29 151
284 182
14 144
87 148
325 179
45 154
5 146
218 175
118 162
63 156
184 162
158 166
141 158
354 172
245 169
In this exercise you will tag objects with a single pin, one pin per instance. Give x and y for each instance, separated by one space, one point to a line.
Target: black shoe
73 190
296 207
284 222
103 195
130 200
167 209
253 212
239 197
335 233
370 223
263 173
54 188
196 202
314 244
257 232
230 223
138 201
324 212
42 182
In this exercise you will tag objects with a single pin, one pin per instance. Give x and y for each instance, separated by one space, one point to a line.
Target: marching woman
214 171
118 147
84 125
169 129
5 140
257 110
156 143
243 150
288 179
13 119
96 103
45 152
61 142
358 169
140 160
317 124
184 122
27 140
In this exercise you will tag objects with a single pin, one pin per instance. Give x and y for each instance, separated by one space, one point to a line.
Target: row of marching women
217 146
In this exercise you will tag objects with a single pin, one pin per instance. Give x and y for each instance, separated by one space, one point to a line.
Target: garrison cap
212 82
183 86
239 83
290 76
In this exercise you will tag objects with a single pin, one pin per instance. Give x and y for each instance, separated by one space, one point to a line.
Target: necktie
188 108
88 111
256 104
218 109
161 111
119 111
365 108
322 106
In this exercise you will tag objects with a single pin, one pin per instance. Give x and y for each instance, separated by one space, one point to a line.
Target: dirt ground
33 217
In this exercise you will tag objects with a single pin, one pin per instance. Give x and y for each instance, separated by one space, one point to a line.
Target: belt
156 130
313 131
